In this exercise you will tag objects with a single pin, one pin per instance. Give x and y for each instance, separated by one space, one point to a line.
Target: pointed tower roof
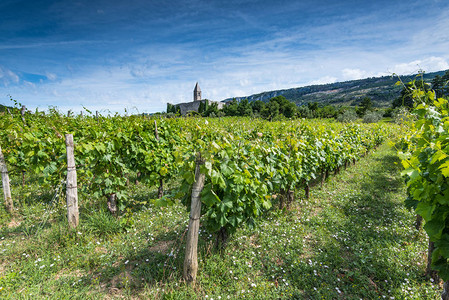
197 88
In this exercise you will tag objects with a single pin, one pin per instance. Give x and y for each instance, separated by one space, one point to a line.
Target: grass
353 239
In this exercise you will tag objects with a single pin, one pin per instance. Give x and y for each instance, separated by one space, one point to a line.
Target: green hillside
382 91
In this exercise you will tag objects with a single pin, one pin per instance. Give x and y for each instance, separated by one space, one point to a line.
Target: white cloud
8 77
322 80
51 76
430 64
351 74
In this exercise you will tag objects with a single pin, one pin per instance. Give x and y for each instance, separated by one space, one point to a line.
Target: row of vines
425 158
245 163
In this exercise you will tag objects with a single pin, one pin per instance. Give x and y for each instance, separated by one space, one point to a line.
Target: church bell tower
197 93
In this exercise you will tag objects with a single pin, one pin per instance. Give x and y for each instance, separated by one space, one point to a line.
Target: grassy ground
353 239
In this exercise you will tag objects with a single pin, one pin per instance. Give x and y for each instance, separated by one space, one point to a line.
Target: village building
194 106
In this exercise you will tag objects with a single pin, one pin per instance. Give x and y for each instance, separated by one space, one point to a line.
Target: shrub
347 116
372 117
401 115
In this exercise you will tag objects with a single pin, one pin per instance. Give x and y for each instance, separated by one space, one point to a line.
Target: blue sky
140 54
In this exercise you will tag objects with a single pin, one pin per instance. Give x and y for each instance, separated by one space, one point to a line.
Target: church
184 108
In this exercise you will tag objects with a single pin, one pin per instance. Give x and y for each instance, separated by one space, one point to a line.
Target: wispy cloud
141 54
8 77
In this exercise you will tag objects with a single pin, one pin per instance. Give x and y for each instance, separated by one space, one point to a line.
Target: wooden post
5 182
22 112
112 204
290 197
160 190
191 257
323 178
429 272
71 185
445 293
155 130
418 222
307 191
68 113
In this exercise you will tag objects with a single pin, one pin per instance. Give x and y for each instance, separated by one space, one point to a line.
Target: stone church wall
195 105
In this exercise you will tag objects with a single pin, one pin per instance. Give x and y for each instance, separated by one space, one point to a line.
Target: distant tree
286 107
348 116
244 108
231 108
437 85
290 110
328 111
440 84
305 112
257 106
372 117
201 108
365 105
406 97
212 110
204 105
171 108
313 106
271 110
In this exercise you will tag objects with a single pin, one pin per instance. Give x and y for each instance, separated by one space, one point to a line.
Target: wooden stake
71 186
445 293
5 182
307 191
323 178
155 130
112 204
418 222
22 112
430 273
160 190
191 257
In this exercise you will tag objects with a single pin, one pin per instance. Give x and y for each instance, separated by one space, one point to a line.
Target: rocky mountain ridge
381 90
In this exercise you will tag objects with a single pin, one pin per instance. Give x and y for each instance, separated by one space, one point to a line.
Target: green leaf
208 167
217 179
163 171
226 170
208 196
443 199
189 177
445 169
440 264
425 210
436 225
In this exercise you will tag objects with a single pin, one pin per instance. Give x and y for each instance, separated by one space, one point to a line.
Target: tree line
277 108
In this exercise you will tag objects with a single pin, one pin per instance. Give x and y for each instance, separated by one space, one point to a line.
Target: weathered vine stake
5 182
191 257
71 186
22 112
160 190
445 293
430 273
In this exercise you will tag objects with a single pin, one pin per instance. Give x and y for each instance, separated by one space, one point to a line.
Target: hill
381 90
4 108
